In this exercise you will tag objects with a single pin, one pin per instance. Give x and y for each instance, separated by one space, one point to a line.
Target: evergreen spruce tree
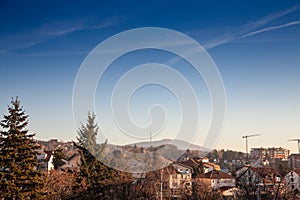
87 134
101 179
58 156
101 154
98 178
95 173
19 178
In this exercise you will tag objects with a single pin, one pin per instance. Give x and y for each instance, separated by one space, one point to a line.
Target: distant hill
180 144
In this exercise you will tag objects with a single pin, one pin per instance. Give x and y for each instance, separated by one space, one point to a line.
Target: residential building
278 153
180 180
266 176
201 163
269 153
53 144
294 161
209 166
258 153
45 160
72 163
292 179
217 179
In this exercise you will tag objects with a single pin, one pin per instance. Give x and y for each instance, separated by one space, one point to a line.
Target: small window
293 186
174 184
278 179
292 179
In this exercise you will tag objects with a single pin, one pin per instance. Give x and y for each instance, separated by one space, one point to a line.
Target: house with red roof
45 160
202 162
265 176
217 179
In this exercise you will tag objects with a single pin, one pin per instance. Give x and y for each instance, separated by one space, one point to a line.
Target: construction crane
296 140
246 137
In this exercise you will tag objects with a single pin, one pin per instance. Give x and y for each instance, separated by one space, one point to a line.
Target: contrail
270 28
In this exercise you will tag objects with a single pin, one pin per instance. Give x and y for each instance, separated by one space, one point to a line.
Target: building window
174 184
293 186
292 179
278 179
165 186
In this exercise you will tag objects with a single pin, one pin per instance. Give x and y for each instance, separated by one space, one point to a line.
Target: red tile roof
48 153
190 162
297 170
214 174
263 171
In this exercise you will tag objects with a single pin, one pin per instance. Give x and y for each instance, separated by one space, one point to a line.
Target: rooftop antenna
296 140
246 137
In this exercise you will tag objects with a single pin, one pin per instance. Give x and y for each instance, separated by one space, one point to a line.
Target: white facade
292 179
45 159
223 182
50 163
183 177
217 179
180 181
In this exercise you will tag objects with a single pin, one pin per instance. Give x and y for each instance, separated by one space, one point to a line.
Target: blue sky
255 45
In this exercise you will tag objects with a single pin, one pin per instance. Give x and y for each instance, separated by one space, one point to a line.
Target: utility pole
246 137
296 140
161 184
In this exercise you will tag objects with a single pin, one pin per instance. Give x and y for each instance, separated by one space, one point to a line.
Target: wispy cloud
246 30
47 31
249 29
270 29
67 27
258 23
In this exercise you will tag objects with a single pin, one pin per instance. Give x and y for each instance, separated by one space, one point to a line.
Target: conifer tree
87 134
95 173
19 178
98 177
58 156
